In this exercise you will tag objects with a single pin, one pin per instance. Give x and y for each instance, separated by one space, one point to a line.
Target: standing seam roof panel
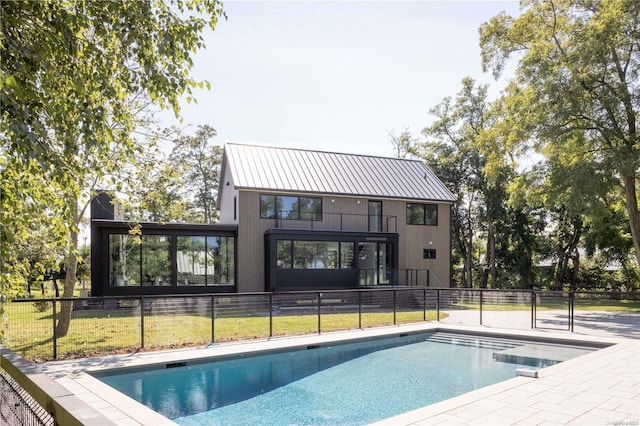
285 169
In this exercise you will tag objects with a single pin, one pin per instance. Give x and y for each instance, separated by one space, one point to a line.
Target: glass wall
124 261
314 254
167 260
156 261
192 260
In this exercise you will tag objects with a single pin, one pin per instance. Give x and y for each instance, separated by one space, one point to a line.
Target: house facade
311 220
290 219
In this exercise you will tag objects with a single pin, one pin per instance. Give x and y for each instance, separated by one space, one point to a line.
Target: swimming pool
348 384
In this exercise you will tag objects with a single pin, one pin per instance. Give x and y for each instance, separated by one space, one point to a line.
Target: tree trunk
64 317
468 262
629 183
528 279
576 269
560 270
492 271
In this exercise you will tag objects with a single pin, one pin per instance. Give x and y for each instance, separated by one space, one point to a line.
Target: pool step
460 340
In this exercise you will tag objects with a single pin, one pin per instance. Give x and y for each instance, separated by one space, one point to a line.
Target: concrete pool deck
600 388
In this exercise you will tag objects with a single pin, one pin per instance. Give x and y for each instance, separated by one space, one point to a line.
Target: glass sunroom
164 259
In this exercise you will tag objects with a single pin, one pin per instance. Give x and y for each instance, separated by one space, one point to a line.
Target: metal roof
297 170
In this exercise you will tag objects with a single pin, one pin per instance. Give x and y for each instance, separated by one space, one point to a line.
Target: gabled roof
296 170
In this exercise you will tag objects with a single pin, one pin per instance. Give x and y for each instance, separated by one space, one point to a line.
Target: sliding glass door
375 262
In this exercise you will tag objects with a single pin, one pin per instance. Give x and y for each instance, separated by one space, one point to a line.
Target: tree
153 190
403 143
72 77
578 68
459 158
199 162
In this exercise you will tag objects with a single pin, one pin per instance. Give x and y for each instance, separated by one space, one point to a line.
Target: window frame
274 201
426 217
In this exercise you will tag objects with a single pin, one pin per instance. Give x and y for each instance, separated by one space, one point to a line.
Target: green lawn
98 332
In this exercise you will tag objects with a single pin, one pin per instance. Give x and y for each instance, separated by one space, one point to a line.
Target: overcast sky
336 75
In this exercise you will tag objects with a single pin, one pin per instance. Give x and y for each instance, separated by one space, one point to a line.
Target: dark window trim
429 253
424 213
299 213
292 252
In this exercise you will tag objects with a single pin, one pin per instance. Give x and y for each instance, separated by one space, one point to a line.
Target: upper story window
290 207
422 214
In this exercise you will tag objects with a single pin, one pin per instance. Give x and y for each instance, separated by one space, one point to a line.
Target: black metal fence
126 324
17 407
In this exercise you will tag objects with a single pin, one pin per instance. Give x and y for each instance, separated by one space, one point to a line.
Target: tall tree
578 68
199 161
70 75
454 149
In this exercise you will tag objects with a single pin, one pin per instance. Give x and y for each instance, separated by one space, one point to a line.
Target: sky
335 75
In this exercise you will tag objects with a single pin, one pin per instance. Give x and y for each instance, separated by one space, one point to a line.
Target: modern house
290 219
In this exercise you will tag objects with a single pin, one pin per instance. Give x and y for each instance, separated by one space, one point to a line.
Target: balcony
337 222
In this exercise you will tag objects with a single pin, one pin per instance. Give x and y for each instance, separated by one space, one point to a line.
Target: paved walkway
600 388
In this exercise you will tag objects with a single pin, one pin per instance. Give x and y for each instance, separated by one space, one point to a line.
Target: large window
124 261
422 214
166 260
205 260
290 207
314 254
156 260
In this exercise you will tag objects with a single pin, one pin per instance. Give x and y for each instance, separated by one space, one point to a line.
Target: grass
100 332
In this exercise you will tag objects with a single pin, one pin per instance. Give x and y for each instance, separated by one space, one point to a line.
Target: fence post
319 301
424 304
571 302
438 305
533 304
142 321
481 294
394 306
55 334
213 318
360 309
270 314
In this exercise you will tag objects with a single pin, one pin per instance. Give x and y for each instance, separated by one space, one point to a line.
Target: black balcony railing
337 222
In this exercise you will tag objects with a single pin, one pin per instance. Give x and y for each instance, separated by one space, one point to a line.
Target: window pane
283 259
156 263
191 260
430 214
310 208
346 255
267 206
415 214
375 216
315 254
220 264
124 260
288 207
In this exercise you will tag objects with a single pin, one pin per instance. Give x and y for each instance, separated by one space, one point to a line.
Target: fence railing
30 398
108 324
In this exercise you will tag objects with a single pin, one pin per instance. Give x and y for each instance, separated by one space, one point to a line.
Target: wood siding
412 241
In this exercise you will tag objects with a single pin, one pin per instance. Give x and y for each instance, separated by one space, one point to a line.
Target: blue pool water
344 384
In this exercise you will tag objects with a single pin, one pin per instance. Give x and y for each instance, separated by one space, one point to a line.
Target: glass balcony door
375 262
375 216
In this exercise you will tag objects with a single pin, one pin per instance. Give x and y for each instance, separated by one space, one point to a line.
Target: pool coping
76 375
